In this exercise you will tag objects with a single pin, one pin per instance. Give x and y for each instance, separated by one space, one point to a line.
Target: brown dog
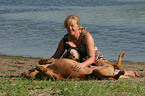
62 69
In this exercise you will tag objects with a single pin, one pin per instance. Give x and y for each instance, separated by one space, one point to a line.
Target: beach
32 29
13 66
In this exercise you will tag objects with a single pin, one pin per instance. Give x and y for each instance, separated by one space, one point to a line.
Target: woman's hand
78 66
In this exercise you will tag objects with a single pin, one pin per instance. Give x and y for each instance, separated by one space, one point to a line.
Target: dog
61 69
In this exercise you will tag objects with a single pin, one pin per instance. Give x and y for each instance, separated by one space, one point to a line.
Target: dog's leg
45 61
115 65
106 72
119 59
49 73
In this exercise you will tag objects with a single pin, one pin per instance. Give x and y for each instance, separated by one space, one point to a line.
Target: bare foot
136 74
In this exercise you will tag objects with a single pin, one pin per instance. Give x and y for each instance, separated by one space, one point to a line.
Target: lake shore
15 65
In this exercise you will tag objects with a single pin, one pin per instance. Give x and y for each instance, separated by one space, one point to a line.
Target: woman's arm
59 51
89 42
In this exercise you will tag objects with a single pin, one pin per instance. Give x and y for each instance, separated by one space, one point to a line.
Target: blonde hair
69 19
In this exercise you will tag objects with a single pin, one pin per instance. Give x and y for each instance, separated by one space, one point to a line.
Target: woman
79 44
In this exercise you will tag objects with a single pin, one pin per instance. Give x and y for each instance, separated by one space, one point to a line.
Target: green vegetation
22 87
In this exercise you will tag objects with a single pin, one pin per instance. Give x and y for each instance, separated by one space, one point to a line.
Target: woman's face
73 27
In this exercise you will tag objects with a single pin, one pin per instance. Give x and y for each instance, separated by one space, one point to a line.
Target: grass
22 87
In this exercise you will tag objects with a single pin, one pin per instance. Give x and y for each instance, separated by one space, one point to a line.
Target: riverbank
15 65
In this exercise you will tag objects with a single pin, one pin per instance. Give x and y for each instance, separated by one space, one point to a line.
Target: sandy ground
13 66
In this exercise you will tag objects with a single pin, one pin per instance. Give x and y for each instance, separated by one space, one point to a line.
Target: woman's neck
76 36
76 39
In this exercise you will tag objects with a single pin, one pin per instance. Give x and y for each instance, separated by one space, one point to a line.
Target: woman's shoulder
65 36
85 33
87 37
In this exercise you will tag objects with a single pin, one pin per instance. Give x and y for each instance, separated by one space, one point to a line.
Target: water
33 28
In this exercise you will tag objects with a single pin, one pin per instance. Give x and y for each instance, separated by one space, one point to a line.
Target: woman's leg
131 73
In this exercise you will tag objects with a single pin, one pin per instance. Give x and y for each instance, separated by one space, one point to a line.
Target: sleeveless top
82 49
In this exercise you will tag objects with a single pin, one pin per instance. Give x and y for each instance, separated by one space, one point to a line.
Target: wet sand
13 66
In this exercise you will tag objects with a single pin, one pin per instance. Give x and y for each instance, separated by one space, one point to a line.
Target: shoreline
4 55
15 65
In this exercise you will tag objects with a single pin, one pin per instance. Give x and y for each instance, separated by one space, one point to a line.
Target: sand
13 66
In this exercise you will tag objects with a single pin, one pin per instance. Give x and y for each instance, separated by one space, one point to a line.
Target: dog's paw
122 54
